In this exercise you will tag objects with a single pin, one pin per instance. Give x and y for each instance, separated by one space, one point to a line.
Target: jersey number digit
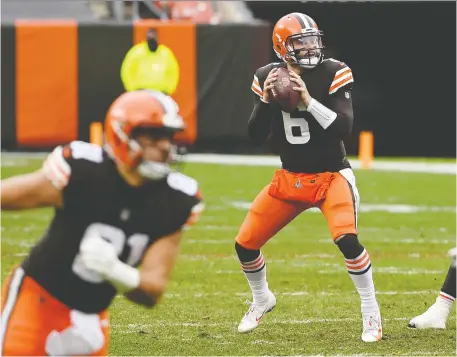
296 119
117 238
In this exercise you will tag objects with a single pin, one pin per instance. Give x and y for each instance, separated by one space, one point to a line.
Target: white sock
256 273
444 302
361 274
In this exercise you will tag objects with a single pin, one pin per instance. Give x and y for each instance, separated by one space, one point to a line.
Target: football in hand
282 92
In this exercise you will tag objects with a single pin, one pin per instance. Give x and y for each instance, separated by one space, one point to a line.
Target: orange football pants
268 215
30 313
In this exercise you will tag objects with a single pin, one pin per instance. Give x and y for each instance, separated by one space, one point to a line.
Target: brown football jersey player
315 171
115 208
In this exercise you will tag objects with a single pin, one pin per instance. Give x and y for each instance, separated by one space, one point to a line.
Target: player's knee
74 341
350 246
245 254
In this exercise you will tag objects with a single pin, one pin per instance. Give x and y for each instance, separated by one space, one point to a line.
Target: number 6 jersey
98 201
301 142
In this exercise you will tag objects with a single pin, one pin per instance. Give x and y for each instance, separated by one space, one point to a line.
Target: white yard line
293 293
163 323
17 159
263 160
397 240
367 207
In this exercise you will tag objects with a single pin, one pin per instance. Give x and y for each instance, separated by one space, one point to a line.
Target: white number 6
296 119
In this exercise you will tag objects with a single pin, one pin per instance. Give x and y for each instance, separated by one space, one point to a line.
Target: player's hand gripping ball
283 93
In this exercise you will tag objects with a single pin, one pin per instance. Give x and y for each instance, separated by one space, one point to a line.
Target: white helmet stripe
305 20
312 23
171 119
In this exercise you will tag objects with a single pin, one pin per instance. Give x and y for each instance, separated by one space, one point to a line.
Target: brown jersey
97 199
301 142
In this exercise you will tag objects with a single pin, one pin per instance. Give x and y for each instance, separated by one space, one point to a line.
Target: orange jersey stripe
257 91
341 74
341 84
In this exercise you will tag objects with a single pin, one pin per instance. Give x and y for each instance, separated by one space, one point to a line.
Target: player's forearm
141 297
23 192
153 283
259 123
341 127
12 199
149 291
141 286
337 123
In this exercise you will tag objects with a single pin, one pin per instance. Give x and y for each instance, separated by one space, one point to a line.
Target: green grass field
318 310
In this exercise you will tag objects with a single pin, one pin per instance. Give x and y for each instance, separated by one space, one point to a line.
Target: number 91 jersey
97 201
302 143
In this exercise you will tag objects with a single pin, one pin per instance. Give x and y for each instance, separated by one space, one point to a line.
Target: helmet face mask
169 160
305 49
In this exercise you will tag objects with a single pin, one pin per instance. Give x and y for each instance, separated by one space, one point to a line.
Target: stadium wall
58 77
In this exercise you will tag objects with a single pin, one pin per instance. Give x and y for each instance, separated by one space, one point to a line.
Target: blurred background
64 61
61 63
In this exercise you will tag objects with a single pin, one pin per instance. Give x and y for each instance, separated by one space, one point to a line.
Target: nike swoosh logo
261 316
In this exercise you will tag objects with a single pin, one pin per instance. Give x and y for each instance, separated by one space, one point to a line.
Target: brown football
283 93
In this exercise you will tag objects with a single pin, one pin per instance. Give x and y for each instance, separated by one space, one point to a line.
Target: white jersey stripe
13 292
341 79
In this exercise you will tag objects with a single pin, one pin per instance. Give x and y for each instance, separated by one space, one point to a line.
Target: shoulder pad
341 73
183 183
332 60
86 151
61 161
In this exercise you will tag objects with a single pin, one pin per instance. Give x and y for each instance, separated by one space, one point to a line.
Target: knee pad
350 246
83 337
246 255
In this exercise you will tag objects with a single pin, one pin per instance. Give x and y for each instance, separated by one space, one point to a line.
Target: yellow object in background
144 69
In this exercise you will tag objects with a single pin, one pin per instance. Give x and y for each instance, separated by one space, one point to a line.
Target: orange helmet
138 109
293 31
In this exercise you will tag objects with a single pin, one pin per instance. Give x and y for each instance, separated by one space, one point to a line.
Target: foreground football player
436 315
115 208
315 171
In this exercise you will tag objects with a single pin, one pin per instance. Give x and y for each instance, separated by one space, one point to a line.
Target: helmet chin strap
310 62
153 170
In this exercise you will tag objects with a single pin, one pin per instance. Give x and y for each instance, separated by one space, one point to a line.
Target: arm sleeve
173 74
260 119
335 114
341 103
